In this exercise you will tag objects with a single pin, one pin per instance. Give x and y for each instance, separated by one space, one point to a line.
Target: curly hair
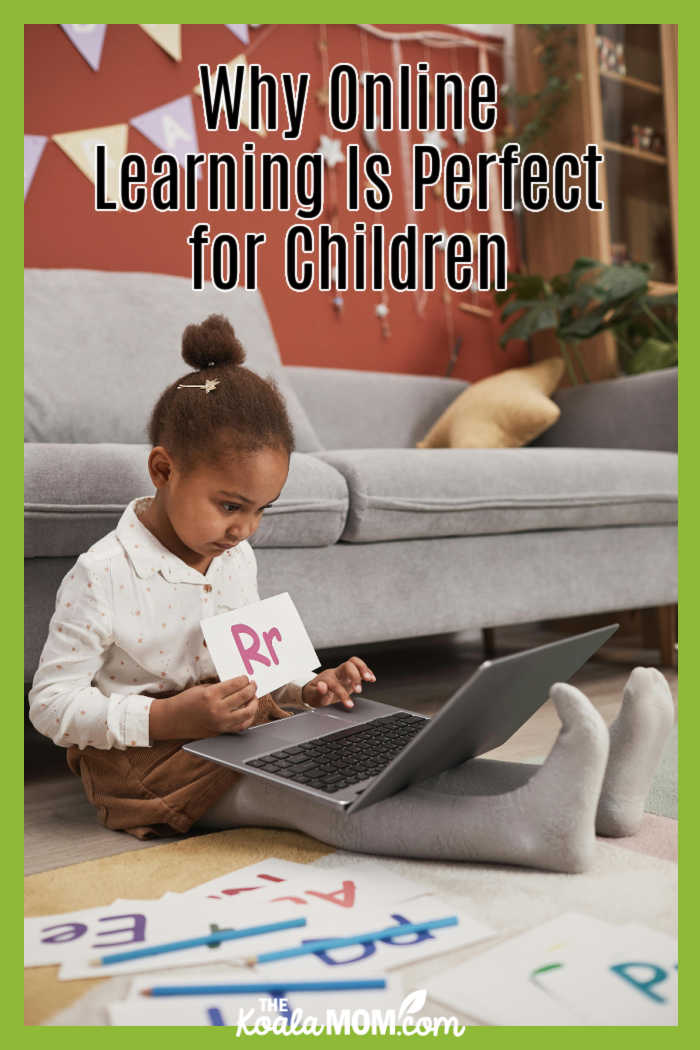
241 413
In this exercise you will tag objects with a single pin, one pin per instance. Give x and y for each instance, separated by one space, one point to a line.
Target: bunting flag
171 127
244 117
240 31
88 39
166 36
33 148
80 147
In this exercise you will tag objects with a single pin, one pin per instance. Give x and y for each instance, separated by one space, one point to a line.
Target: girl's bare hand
205 710
338 683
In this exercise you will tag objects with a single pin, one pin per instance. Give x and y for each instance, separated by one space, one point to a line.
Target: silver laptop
351 758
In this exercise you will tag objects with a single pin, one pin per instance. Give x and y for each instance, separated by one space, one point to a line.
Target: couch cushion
74 494
411 494
101 347
506 410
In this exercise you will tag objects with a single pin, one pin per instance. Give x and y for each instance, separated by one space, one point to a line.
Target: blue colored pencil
197 942
269 987
357 938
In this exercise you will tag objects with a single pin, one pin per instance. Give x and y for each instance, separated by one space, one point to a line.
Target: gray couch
374 539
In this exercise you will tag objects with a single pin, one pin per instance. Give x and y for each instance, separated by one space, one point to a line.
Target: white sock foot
560 800
637 738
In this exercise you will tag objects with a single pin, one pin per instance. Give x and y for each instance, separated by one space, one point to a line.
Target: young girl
125 677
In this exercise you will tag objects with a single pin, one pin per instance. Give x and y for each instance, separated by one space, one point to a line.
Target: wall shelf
632 151
643 85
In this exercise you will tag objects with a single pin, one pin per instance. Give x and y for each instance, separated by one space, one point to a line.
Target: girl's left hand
337 683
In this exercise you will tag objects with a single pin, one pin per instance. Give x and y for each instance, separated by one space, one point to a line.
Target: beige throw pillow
505 410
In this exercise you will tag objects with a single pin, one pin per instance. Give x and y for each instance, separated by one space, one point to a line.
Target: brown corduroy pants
155 791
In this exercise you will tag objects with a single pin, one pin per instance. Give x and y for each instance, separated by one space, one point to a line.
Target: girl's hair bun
213 342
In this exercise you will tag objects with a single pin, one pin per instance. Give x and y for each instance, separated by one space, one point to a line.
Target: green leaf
619 282
583 328
582 268
652 355
528 285
578 299
540 316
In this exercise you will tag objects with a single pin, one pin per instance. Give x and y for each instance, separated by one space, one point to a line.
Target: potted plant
595 297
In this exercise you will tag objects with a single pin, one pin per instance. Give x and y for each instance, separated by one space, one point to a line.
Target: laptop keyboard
338 760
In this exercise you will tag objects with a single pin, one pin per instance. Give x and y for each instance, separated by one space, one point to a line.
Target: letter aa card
266 641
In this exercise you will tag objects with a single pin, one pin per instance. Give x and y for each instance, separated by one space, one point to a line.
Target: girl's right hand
205 710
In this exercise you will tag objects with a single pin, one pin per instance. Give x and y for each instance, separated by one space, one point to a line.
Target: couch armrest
349 408
629 412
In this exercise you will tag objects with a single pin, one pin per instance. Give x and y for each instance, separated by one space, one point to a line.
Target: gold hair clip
207 387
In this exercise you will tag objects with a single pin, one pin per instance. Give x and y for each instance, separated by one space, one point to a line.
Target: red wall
62 229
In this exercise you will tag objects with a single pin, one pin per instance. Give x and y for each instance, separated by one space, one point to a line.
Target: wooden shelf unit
639 187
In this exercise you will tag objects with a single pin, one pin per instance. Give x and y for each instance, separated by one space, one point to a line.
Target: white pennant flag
80 147
166 36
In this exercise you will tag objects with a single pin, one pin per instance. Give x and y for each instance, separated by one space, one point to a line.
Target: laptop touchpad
295 730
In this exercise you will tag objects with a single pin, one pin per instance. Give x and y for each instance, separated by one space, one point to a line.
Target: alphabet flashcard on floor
50 940
572 970
354 887
384 953
266 641
252 879
628 978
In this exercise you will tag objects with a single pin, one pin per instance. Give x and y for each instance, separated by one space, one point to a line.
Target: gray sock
637 738
541 816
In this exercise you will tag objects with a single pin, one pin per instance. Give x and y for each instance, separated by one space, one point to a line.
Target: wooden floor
61 827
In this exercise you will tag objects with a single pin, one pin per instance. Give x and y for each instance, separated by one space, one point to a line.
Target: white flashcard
171 920
51 939
389 952
247 1008
496 986
266 641
354 888
264 874
629 978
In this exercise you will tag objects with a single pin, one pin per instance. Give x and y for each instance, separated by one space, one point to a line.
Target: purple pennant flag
33 148
240 31
171 128
88 39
